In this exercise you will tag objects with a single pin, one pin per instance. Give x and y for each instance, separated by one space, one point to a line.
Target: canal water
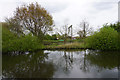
61 64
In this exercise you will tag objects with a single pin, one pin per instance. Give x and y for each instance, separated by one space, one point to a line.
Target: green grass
74 45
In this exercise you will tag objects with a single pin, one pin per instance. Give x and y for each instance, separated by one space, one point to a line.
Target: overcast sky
96 12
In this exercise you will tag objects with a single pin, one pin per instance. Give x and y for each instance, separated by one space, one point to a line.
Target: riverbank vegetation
28 30
105 39
12 42
74 45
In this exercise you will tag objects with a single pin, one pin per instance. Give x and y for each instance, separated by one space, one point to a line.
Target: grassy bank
74 45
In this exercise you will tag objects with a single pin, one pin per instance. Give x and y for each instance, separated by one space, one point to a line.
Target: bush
11 42
54 37
105 39
47 37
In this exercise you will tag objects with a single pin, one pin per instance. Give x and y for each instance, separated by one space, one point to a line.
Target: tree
84 29
33 18
80 33
65 31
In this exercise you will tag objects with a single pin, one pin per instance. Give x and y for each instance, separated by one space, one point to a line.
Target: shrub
11 42
47 37
105 39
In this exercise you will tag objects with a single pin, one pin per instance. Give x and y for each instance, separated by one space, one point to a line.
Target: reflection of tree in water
68 60
84 64
37 65
100 60
64 61
71 59
104 60
27 66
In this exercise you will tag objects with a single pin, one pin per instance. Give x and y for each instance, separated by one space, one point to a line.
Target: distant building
119 11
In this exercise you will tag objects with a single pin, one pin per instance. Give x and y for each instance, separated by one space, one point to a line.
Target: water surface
61 64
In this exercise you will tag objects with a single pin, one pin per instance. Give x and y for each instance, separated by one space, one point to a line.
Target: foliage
116 26
105 39
11 42
54 37
49 37
33 18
